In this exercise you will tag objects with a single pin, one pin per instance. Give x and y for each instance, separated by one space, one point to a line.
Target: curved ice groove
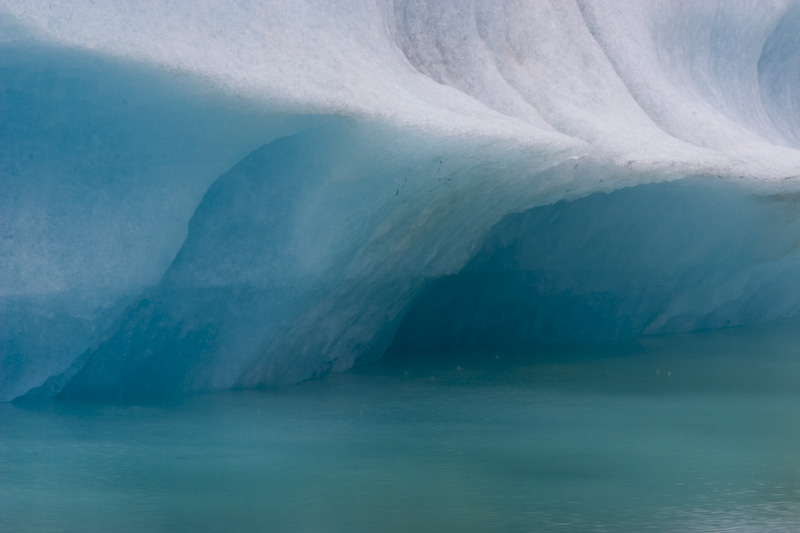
311 56
301 259
706 95
780 57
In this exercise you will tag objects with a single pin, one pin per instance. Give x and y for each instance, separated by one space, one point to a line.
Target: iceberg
198 197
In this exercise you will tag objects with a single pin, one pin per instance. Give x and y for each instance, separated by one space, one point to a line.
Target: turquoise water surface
696 432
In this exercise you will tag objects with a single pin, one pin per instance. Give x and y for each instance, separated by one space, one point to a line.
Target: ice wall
200 195
102 163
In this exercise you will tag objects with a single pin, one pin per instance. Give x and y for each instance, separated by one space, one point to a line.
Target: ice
101 166
653 259
204 196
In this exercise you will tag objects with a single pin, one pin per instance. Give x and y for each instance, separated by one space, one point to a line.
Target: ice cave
205 198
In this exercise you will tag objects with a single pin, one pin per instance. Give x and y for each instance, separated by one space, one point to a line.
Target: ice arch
197 197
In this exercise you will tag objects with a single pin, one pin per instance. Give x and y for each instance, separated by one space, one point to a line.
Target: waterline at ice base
202 196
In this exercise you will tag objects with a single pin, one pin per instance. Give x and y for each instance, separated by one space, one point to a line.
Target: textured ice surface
329 158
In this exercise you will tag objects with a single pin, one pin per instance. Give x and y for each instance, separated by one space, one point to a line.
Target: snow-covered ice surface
202 195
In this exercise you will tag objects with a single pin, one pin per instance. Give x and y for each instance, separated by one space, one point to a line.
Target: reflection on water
695 432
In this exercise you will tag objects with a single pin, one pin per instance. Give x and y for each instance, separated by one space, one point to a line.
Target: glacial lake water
697 432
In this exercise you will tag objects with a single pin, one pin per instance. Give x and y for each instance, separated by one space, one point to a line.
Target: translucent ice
330 159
